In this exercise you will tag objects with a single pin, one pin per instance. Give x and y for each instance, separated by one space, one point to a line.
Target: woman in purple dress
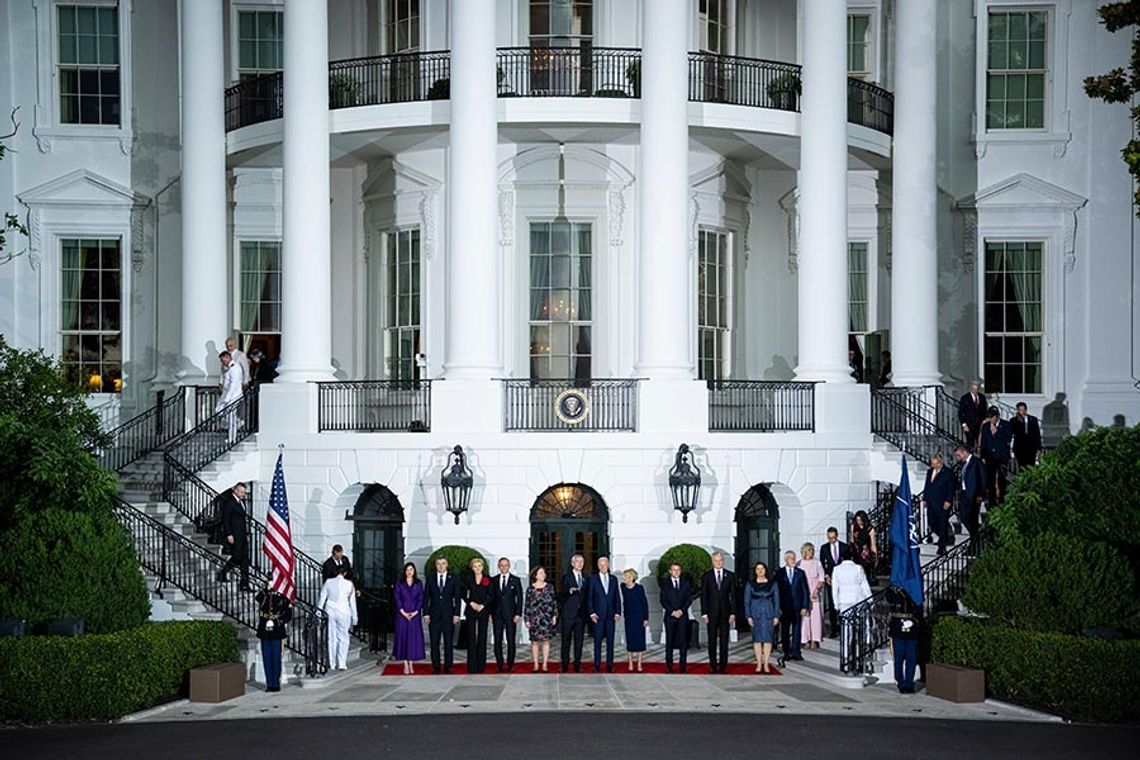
409 645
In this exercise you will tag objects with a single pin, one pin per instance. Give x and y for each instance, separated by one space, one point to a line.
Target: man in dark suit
972 412
506 609
830 555
997 437
332 565
971 489
572 612
718 604
676 598
441 613
795 603
1026 437
234 529
603 602
938 500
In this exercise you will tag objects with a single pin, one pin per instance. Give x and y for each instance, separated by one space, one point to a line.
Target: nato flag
906 564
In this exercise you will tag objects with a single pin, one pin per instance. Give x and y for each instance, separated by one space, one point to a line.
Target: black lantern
685 482
456 481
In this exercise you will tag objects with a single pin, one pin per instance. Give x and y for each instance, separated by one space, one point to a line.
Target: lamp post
685 482
456 481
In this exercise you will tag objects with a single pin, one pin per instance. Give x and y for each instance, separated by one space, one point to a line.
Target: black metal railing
150 430
254 101
216 434
870 105
760 406
901 417
205 402
946 414
531 405
742 81
398 78
583 71
374 406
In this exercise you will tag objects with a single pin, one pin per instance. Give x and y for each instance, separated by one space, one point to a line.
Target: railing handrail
559 50
789 65
906 425
406 54
145 432
761 406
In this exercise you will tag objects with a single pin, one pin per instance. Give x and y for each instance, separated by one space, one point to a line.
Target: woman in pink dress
812 625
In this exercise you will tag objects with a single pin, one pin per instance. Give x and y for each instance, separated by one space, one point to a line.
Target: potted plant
344 91
784 91
633 74
440 89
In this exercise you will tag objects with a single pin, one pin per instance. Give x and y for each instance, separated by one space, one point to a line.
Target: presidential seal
572 406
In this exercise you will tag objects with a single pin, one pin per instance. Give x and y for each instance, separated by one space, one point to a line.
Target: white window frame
592 322
873 37
390 344
983 244
80 331
724 332
869 273
238 253
384 19
232 42
729 28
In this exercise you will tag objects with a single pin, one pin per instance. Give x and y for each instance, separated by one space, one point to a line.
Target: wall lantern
685 482
456 481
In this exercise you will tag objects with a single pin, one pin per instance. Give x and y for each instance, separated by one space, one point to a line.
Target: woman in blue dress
636 608
762 605
409 645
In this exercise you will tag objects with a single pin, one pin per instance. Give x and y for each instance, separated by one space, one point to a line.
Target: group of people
238 372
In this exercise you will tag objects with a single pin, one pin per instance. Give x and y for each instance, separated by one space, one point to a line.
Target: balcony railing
584 71
871 106
570 405
758 406
374 406
743 81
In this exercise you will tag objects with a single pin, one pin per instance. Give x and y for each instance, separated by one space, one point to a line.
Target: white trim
233 36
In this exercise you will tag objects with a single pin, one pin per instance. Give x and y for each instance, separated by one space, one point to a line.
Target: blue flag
906 563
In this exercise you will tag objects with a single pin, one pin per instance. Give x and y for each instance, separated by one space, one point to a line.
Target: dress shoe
447 671
273 688
609 668
435 671
723 670
577 667
668 668
797 657
684 670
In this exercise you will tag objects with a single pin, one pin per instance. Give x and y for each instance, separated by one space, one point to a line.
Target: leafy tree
11 221
694 561
1121 83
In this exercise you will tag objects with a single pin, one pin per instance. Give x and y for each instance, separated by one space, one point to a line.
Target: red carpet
695 669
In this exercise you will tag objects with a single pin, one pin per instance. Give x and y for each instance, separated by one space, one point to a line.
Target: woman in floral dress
541 616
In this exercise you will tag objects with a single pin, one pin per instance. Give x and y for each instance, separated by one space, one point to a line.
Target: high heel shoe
766 668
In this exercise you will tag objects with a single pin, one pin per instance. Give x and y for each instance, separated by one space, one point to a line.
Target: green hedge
694 561
458 561
106 676
1084 679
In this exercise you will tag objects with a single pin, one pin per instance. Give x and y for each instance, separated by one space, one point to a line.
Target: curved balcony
529 72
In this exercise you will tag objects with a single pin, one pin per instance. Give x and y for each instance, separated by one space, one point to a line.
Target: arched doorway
568 519
757 535
377 539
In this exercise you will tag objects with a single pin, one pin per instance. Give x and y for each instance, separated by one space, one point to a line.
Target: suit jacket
330 568
676 599
1026 436
605 603
995 445
506 604
573 605
940 490
233 517
972 481
441 603
794 592
827 560
718 602
971 414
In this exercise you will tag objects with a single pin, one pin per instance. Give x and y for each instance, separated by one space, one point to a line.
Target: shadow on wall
779 370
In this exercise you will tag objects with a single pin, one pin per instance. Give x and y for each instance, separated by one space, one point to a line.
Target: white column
204 274
914 274
665 319
473 304
306 267
822 274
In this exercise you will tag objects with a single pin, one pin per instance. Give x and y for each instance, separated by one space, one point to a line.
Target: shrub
440 89
458 560
59 564
106 676
1053 582
694 561
1085 679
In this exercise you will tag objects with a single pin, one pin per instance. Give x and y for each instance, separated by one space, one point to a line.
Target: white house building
570 236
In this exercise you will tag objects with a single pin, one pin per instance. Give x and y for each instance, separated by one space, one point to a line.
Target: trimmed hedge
106 676
694 561
458 561
1084 679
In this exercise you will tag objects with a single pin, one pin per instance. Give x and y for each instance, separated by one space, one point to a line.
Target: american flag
278 544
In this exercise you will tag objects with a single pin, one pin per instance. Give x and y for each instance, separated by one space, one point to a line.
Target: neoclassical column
473 303
914 271
665 319
203 188
822 257
306 266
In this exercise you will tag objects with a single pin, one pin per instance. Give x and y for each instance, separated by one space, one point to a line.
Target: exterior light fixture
456 481
685 482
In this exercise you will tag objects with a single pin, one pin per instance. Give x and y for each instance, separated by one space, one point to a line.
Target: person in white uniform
849 587
231 391
338 600
240 360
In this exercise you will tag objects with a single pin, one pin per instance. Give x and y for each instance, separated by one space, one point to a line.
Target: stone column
203 188
914 294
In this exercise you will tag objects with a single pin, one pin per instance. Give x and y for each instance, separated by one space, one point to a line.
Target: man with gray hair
718 610
938 501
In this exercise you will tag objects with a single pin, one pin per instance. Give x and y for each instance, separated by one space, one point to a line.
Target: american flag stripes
278 544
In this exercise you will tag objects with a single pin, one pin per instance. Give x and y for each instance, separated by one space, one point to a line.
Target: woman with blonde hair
811 632
636 606
477 597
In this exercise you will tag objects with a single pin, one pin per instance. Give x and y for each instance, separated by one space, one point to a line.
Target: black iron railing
870 105
254 101
374 406
946 414
760 406
216 434
901 417
583 71
532 405
145 432
205 402
398 78
744 81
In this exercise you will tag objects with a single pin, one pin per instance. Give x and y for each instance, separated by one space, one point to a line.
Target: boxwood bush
458 561
694 561
1080 678
106 676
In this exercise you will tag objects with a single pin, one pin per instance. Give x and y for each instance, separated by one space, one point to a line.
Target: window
402 326
859 46
91 313
89 64
260 288
561 23
857 287
1015 70
713 285
402 26
260 43
560 300
1013 331
713 25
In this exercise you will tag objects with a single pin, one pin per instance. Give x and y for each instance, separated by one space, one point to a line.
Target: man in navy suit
1026 437
938 500
795 603
972 412
572 612
441 613
971 489
676 598
604 605
830 555
997 436
506 610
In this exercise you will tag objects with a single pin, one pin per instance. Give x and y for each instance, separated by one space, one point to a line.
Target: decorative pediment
1022 191
81 188
725 179
392 178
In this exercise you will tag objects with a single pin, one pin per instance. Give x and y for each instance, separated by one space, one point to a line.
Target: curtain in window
1027 292
857 287
253 280
76 262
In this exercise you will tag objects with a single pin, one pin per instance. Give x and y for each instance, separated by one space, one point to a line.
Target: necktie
503 584
676 585
441 583
718 578
835 553
605 583
577 580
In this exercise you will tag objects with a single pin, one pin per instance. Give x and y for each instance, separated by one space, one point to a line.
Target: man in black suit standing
972 412
331 567
718 602
938 500
972 489
1026 437
795 603
506 609
441 613
676 598
830 555
603 602
234 529
572 612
